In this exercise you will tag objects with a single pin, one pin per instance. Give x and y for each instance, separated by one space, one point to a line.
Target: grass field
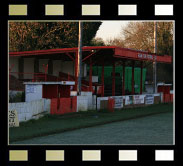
154 129
58 124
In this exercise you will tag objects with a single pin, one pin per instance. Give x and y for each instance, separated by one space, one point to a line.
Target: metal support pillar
154 63
141 77
90 76
123 80
20 68
76 72
133 89
45 67
113 79
50 66
102 78
80 57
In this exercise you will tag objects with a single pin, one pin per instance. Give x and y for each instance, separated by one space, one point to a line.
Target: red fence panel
111 103
53 108
63 105
167 98
171 98
74 103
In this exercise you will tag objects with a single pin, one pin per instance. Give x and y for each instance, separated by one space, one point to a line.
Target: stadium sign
118 101
13 118
30 89
138 99
146 56
149 99
128 100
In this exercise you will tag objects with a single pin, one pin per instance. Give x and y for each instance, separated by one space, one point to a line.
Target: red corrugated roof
124 53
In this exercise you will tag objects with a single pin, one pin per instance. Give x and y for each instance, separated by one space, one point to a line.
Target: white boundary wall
130 99
29 110
118 101
82 103
100 99
86 101
88 95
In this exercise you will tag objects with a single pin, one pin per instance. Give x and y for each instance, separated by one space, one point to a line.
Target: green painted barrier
97 71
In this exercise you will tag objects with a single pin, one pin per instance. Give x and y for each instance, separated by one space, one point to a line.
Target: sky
110 29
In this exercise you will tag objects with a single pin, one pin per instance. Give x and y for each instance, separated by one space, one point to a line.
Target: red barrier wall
111 104
167 98
53 109
171 98
63 105
164 89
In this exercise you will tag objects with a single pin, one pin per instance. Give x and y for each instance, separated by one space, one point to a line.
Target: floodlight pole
80 57
154 63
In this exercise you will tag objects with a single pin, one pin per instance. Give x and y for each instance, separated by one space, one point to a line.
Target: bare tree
140 35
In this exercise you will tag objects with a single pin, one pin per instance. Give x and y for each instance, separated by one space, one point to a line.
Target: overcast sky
110 29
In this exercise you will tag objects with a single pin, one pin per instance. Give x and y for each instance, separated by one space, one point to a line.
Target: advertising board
149 99
128 100
138 99
13 118
118 101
